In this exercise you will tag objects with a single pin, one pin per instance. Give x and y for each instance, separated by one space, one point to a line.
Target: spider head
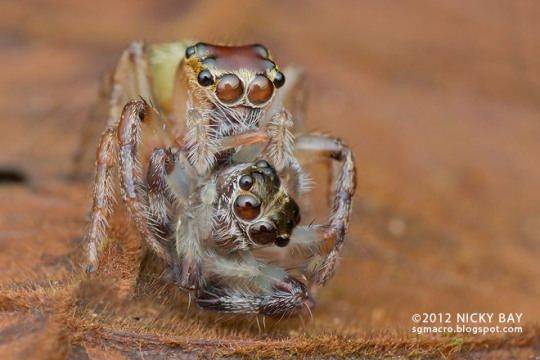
233 76
262 207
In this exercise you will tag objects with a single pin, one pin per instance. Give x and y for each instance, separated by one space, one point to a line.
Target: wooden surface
440 102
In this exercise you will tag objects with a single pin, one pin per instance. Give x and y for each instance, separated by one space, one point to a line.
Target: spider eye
260 90
229 88
190 51
247 207
282 241
205 78
245 182
263 233
279 79
262 164
261 50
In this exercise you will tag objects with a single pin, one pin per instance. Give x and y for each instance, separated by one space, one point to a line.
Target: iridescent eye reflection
245 182
263 233
279 80
260 90
282 241
262 164
247 207
190 51
261 50
229 88
205 78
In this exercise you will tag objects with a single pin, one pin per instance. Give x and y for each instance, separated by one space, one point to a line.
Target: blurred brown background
440 101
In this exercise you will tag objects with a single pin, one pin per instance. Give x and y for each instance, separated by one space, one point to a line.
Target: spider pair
224 178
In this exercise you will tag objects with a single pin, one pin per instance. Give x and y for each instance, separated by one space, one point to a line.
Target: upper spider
234 75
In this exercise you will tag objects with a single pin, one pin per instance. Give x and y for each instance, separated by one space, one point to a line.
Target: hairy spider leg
159 197
246 138
193 230
129 79
292 96
329 236
285 118
171 181
263 288
201 140
103 197
131 181
125 138
280 149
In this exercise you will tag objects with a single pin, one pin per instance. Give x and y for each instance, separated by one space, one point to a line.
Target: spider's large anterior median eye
205 78
229 88
245 182
263 233
247 207
260 90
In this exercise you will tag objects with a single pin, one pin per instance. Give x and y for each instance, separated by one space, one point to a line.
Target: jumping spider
224 175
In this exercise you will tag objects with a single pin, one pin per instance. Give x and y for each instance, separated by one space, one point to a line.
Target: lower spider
207 228
204 206
242 207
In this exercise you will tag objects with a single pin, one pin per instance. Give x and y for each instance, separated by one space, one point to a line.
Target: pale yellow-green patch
164 60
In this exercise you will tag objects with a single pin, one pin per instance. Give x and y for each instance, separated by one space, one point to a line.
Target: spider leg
159 197
331 235
129 137
265 289
259 135
192 234
129 79
170 178
289 104
102 199
251 144
200 140
123 140
280 149
292 96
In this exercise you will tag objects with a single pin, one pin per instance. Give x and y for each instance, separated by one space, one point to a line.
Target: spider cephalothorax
224 177
255 208
241 77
